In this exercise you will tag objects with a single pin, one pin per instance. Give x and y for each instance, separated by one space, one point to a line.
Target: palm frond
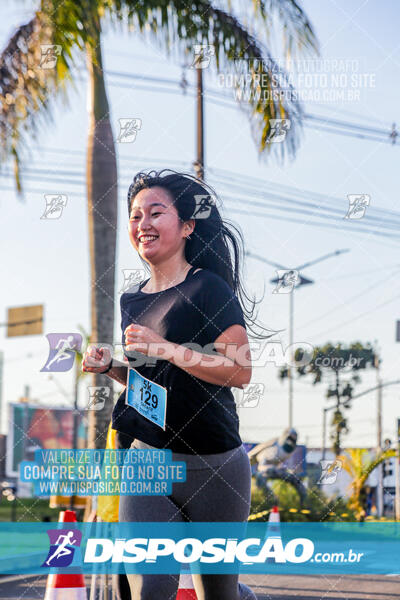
299 35
25 87
260 86
29 83
358 464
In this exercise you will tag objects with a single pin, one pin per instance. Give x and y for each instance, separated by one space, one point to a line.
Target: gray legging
217 488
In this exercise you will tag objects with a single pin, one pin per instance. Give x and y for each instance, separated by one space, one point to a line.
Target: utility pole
379 496
397 458
337 393
325 410
397 474
199 164
3 411
25 416
290 368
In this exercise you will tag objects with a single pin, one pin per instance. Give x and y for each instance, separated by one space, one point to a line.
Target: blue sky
355 296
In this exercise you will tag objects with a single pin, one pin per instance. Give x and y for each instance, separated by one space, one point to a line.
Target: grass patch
29 510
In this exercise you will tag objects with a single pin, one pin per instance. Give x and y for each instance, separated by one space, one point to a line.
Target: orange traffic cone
62 586
186 588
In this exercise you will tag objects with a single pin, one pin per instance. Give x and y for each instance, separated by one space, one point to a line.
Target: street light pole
397 474
301 281
379 496
290 369
199 164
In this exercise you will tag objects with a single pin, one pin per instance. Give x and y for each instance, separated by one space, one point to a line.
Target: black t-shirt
201 417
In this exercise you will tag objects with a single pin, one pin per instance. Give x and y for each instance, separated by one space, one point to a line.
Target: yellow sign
25 320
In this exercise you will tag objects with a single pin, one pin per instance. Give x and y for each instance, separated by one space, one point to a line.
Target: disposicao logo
188 550
63 543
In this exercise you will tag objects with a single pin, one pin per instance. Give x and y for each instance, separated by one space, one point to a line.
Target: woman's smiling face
155 229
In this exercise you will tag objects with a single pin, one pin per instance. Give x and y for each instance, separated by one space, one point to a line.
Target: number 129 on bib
147 397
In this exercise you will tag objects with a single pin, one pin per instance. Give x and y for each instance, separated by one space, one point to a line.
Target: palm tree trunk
102 195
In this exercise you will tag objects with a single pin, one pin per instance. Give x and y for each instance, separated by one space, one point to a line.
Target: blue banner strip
288 548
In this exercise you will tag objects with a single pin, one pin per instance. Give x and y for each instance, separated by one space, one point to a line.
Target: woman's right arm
118 372
98 360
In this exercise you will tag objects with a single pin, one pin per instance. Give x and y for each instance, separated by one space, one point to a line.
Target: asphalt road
267 587
324 587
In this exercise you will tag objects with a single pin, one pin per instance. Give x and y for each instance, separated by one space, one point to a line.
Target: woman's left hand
138 337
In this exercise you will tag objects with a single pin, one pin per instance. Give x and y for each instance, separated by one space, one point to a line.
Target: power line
362 136
360 273
323 210
347 125
335 126
331 125
259 183
256 184
310 209
309 222
327 213
332 224
382 131
346 302
378 230
360 316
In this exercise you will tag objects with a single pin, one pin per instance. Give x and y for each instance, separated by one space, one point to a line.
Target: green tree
339 364
359 465
316 506
73 29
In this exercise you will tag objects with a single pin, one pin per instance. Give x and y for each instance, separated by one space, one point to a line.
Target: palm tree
72 28
359 465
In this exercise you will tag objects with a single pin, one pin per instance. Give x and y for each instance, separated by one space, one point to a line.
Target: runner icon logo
204 204
202 56
358 204
250 397
128 129
330 470
131 277
287 281
63 543
55 203
63 347
97 397
278 131
49 55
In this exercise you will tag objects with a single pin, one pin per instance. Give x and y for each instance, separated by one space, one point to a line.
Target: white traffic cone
66 586
273 528
186 588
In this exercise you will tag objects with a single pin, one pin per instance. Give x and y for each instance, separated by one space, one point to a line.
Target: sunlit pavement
267 587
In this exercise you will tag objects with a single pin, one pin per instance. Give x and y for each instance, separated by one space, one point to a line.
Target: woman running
187 320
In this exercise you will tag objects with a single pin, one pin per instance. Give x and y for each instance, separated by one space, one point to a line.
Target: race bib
147 397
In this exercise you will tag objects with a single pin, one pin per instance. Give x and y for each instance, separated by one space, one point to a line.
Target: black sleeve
221 309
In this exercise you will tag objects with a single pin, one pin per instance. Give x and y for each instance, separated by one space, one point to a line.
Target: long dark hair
216 244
